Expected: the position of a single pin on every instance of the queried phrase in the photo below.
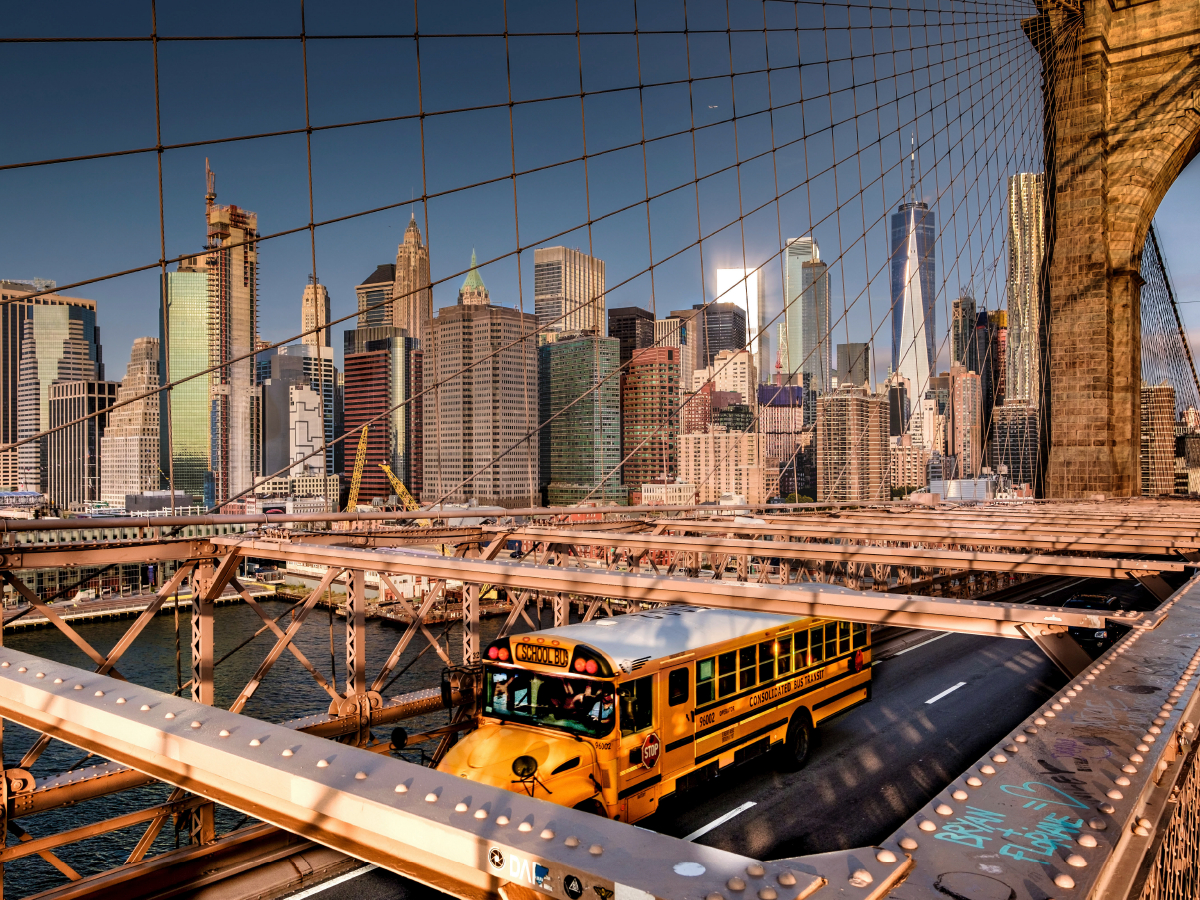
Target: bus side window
(783, 659)
(766, 662)
(830, 640)
(859, 635)
(801, 640)
(637, 705)
(727, 674)
(746, 668)
(843, 637)
(818, 643)
(706, 673)
(677, 686)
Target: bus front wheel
(592, 806)
(798, 740)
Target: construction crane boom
(360, 460)
(406, 499)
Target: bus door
(640, 760)
(678, 725)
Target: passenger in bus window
(500, 692)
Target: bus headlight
(524, 767)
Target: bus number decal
(706, 719)
(542, 656)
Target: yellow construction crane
(406, 499)
(360, 460)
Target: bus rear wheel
(794, 751)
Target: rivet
(98, 694)
(1148, 739)
(1122, 780)
(1020, 739)
(1029, 729)
(145, 707)
(926, 825)
(787, 879)
(481, 813)
(169, 716)
(5, 664)
(1154, 729)
(1064, 881)
(1115, 795)
(714, 896)
(767, 893)
(501, 820)
(755, 870)
(431, 797)
(974, 782)
(959, 795)
(460, 807)
(1129, 770)
(120, 700)
(1038, 721)
(78, 687)
(1076, 860)
(546, 835)
(861, 878)
(402, 789)
(595, 849)
(1142, 748)
(1142, 822)
(988, 770)
(1048, 714)
(1141, 831)
(223, 733)
(40, 675)
(908, 843)
(195, 724)
(571, 840)
(255, 742)
(1107, 808)
(944, 810)
(287, 751)
(58, 681)
(22, 669)
(1057, 707)
(1071, 694)
(1136, 757)
(525, 826)
(1167, 707)
(1086, 840)
(735, 884)
(1011, 748)
(886, 856)
(1159, 722)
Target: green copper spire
(473, 282)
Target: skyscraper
(1026, 247)
(744, 288)
(184, 423)
(375, 297)
(314, 313)
(412, 297)
(854, 364)
(477, 424)
(14, 310)
(633, 327)
(232, 262)
(579, 408)
(301, 364)
(473, 291)
(731, 371)
(853, 452)
(129, 449)
(679, 333)
(723, 327)
(568, 290)
(278, 371)
(721, 461)
(965, 433)
(649, 421)
(59, 342)
(73, 452)
(385, 372)
(962, 334)
(806, 316)
(1158, 439)
(913, 276)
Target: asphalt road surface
(937, 707)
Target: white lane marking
(922, 644)
(949, 690)
(721, 821)
(332, 882)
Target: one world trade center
(913, 322)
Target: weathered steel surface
(1041, 814)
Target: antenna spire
(210, 181)
(912, 170)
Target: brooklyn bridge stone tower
(1122, 119)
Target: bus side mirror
(524, 767)
(399, 738)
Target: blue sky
(841, 130)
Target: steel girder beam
(407, 818)
(957, 559)
(826, 601)
(1000, 522)
(941, 534)
(91, 553)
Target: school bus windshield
(579, 705)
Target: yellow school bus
(615, 714)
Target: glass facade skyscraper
(184, 416)
(913, 273)
(806, 315)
